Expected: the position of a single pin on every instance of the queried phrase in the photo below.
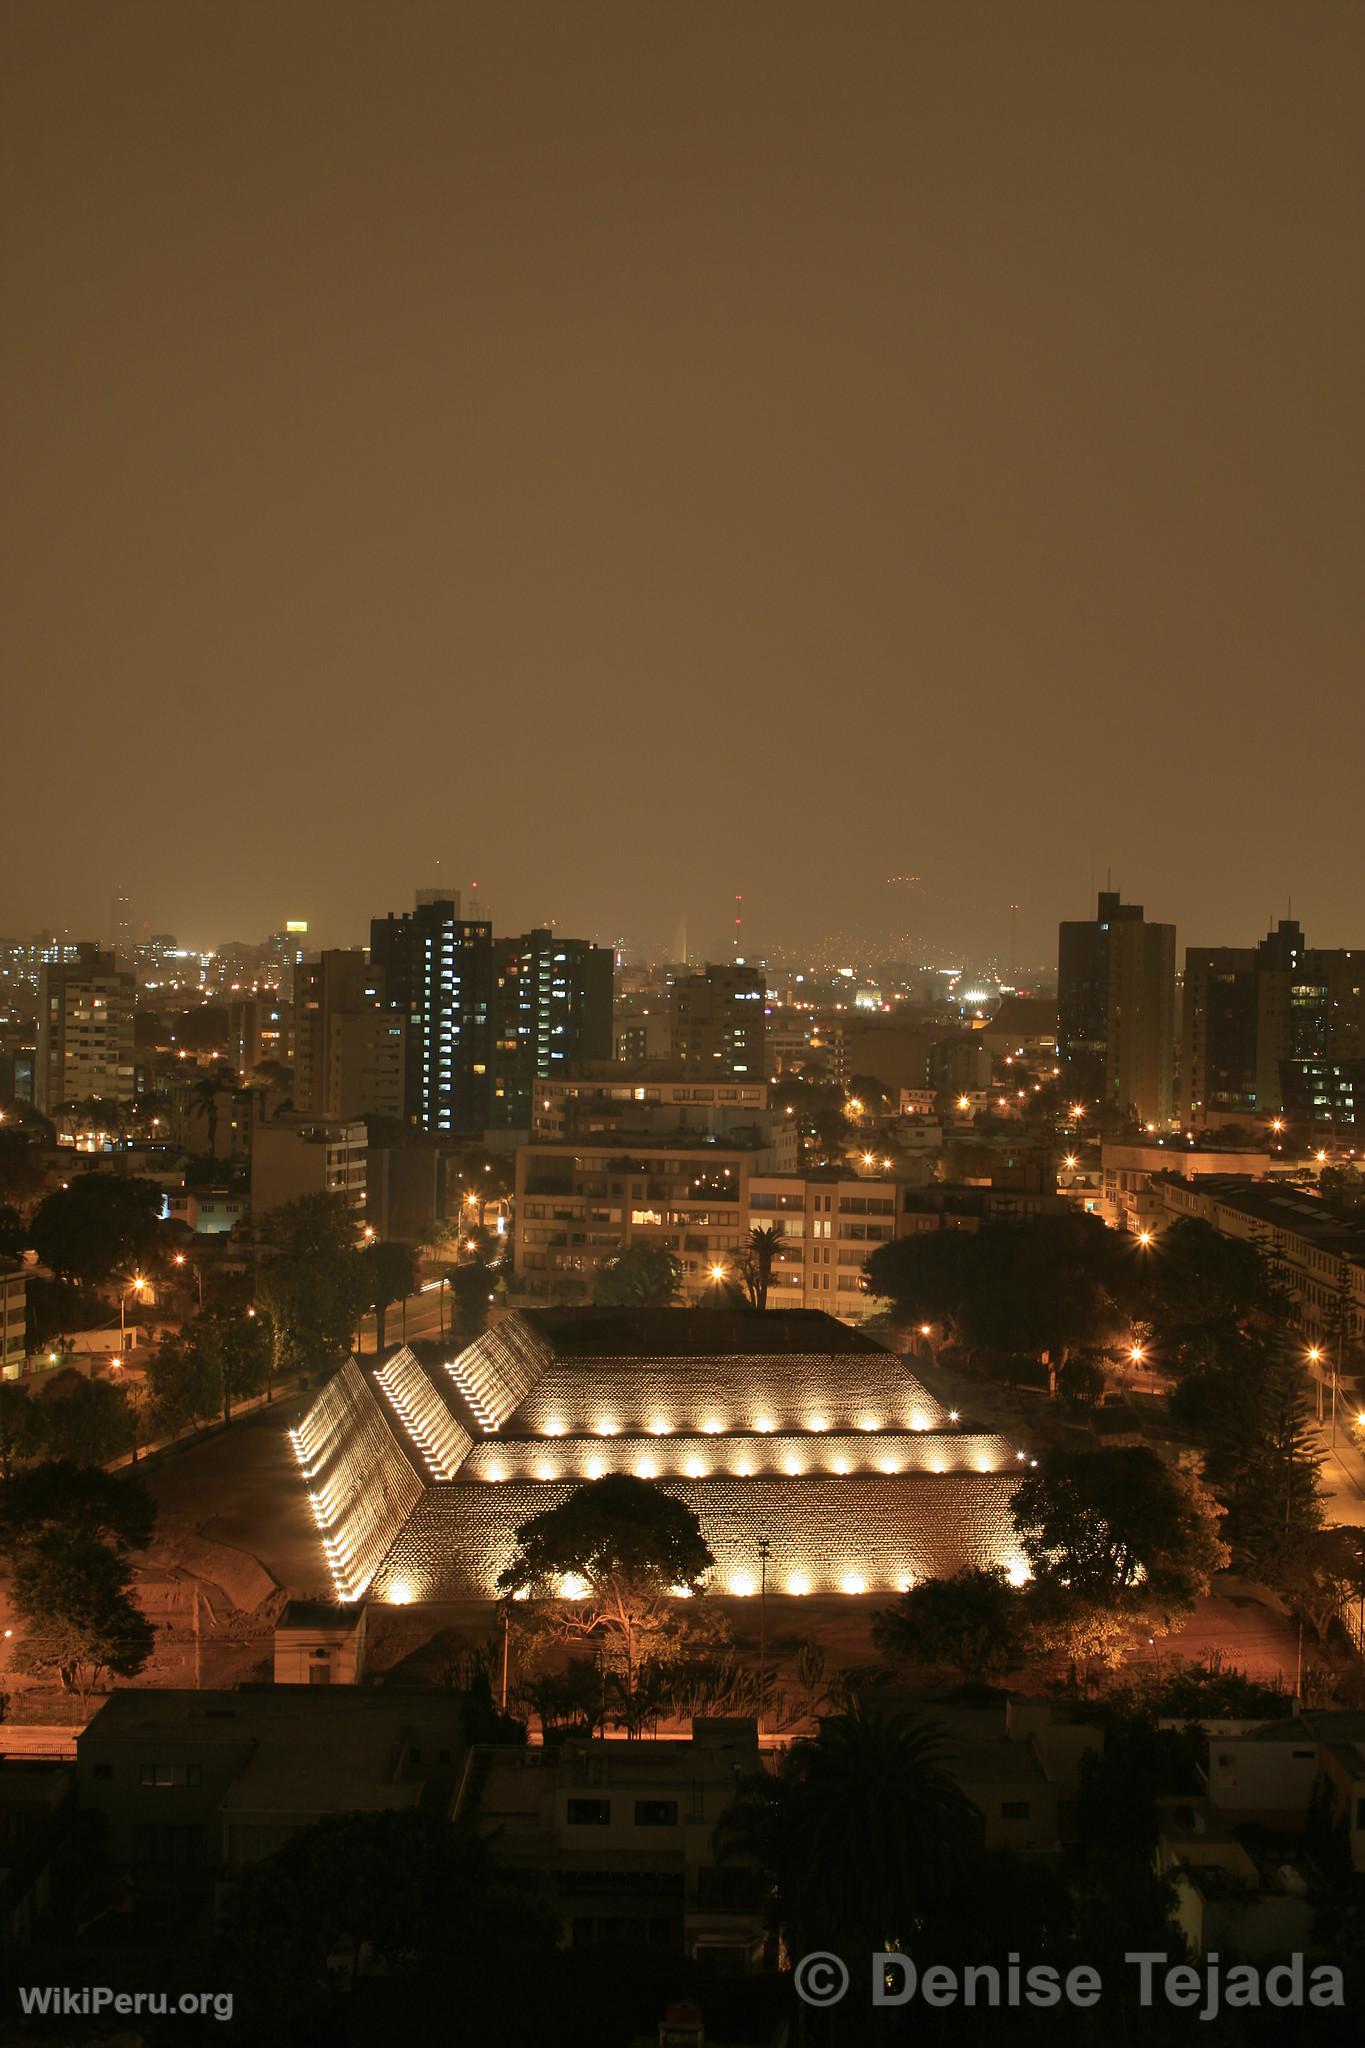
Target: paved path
(242, 1487)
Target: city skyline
(521, 421)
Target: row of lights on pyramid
(417, 1430)
(304, 1445)
(482, 1414)
(793, 1466)
(763, 1425)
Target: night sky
(633, 453)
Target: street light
(764, 1551)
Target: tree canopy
(614, 1555)
(642, 1276)
(974, 1621)
(1102, 1523)
(857, 1831)
(100, 1225)
(1053, 1284)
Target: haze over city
(682, 1023)
(928, 441)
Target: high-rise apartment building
(719, 1024)
(1273, 1029)
(350, 1052)
(85, 1030)
(260, 1028)
(438, 975)
(1116, 1010)
(553, 1013)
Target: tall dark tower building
(1277, 1028)
(552, 1014)
(1116, 1010)
(718, 1022)
(438, 970)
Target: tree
(22, 1434)
(856, 1832)
(13, 1232)
(612, 1556)
(1245, 1396)
(1102, 1523)
(360, 1925)
(1321, 1571)
(73, 1594)
(1080, 1381)
(927, 1278)
(87, 1421)
(185, 1385)
(470, 1292)
(76, 1500)
(758, 1264)
(390, 1275)
(642, 1276)
(235, 1345)
(317, 1228)
(974, 1621)
(1193, 1277)
(21, 1171)
(204, 1094)
(1051, 1285)
(99, 1225)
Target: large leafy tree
(1054, 1284)
(100, 1225)
(73, 1594)
(87, 1421)
(229, 1346)
(14, 1232)
(22, 1434)
(185, 1384)
(65, 1535)
(21, 1171)
(360, 1926)
(626, 1548)
(1102, 1523)
(390, 1274)
(1194, 1279)
(78, 1500)
(1244, 1394)
(975, 1621)
(857, 1832)
(642, 1276)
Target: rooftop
(692, 1332)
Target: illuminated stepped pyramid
(786, 1424)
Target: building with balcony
(85, 1031)
(581, 1202)
(13, 1318)
(616, 1838)
(1319, 1256)
(438, 975)
(552, 1016)
(826, 1229)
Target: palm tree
(204, 1097)
(857, 1832)
(758, 1264)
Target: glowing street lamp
(1144, 1237)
